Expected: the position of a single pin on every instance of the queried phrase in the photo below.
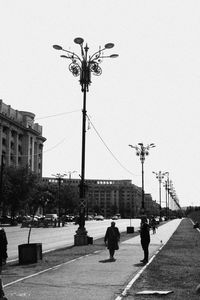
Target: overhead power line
(117, 160)
(59, 114)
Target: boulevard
(58, 237)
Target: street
(53, 238)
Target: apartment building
(21, 140)
(109, 197)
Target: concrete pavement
(91, 277)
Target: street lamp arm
(97, 53)
(134, 147)
(109, 56)
(73, 55)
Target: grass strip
(176, 267)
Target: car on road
(99, 218)
(51, 217)
(50, 220)
(69, 218)
(115, 217)
(8, 220)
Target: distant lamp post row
(83, 66)
(59, 178)
(174, 197)
(166, 186)
(160, 175)
(142, 151)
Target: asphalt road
(54, 238)
(91, 276)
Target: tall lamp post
(160, 175)
(70, 174)
(142, 151)
(166, 185)
(83, 66)
(59, 177)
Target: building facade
(21, 140)
(110, 197)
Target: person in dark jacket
(145, 238)
(111, 239)
(3, 257)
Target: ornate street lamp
(160, 176)
(83, 66)
(142, 151)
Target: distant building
(21, 140)
(110, 197)
(151, 207)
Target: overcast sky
(149, 94)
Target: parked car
(5, 220)
(89, 218)
(69, 218)
(99, 218)
(115, 217)
(51, 217)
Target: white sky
(149, 94)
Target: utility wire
(59, 114)
(110, 150)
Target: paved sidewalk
(91, 277)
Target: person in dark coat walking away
(153, 225)
(111, 239)
(145, 238)
(3, 257)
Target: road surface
(54, 238)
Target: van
(51, 217)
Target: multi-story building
(21, 140)
(109, 197)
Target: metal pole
(166, 196)
(160, 180)
(142, 161)
(59, 183)
(84, 66)
(82, 182)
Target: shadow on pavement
(139, 264)
(106, 260)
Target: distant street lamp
(160, 176)
(142, 151)
(70, 174)
(59, 179)
(83, 66)
(166, 185)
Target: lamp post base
(81, 238)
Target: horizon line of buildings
(21, 145)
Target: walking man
(145, 238)
(111, 240)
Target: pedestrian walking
(145, 238)
(111, 240)
(153, 225)
(3, 257)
